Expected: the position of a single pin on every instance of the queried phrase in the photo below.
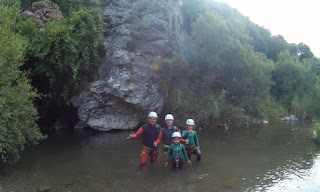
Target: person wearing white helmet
(176, 150)
(150, 132)
(193, 146)
(166, 134)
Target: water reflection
(273, 157)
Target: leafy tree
(10, 3)
(305, 103)
(287, 78)
(304, 52)
(261, 38)
(69, 6)
(64, 52)
(18, 115)
(226, 81)
(191, 10)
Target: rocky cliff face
(143, 34)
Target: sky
(296, 20)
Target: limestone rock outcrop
(142, 35)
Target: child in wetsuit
(176, 149)
(193, 146)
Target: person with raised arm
(150, 132)
(193, 146)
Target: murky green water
(274, 157)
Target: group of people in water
(172, 138)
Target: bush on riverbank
(219, 79)
(63, 51)
(57, 51)
(18, 115)
(316, 132)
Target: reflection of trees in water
(285, 150)
(254, 157)
(262, 154)
(1, 182)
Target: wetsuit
(166, 136)
(176, 152)
(193, 147)
(150, 134)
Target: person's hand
(198, 150)
(189, 162)
(190, 131)
(155, 143)
(130, 136)
(166, 164)
(186, 141)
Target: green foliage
(296, 85)
(261, 38)
(58, 53)
(69, 6)
(316, 132)
(219, 80)
(232, 70)
(304, 52)
(43, 12)
(18, 114)
(10, 3)
(65, 52)
(191, 10)
(305, 104)
(26, 4)
(287, 77)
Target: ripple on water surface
(274, 157)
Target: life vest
(150, 134)
(167, 134)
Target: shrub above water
(18, 115)
(316, 132)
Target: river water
(273, 157)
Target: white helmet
(169, 117)
(190, 122)
(153, 114)
(176, 134)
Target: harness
(177, 159)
